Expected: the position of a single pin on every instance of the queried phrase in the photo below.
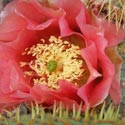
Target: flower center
(51, 66)
(54, 61)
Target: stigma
(51, 66)
(54, 60)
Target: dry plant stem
(112, 10)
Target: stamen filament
(54, 61)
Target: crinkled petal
(111, 33)
(64, 27)
(67, 93)
(115, 90)
(11, 78)
(90, 32)
(13, 88)
(72, 8)
(37, 15)
(5, 98)
(33, 38)
(23, 41)
(91, 61)
(25, 15)
(100, 27)
(8, 100)
(10, 26)
(97, 90)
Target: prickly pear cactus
(61, 116)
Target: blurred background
(3, 3)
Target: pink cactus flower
(57, 50)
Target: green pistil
(51, 66)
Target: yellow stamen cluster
(66, 55)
